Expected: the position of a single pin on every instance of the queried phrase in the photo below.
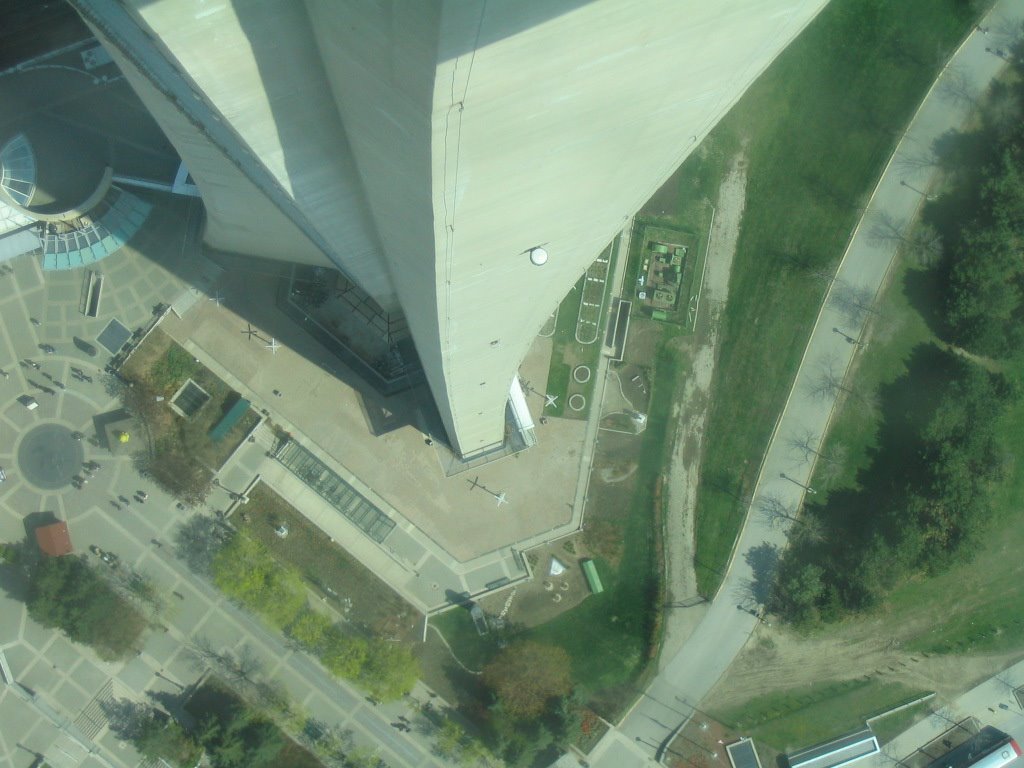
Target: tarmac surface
(686, 678)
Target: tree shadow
(764, 563)
(925, 290)
(854, 520)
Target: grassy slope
(793, 719)
(820, 125)
(609, 636)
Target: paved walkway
(51, 689)
(687, 678)
(992, 703)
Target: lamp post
(807, 488)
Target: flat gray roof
(743, 755)
(835, 753)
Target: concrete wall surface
(430, 144)
(540, 122)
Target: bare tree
(854, 301)
(944, 716)
(126, 718)
(833, 460)
(925, 245)
(804, 443)
(1006, 32)
(829, 382)
(888, 753)
(204, 655)
(810, 529)
(776, 511)
(915, 160)
(198, 540)
(243, 667)
(957, 87)
(886, 228)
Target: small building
(54, 539)
(742, 754)
(590, 573)
(232, 417)
(843, 751)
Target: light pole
(849, 339)
(807, 488)
(928, 198)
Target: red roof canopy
(54, 540)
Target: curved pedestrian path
(685, 679)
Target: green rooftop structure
(590, 574)
(232, 417)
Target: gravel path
(691, 415)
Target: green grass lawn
(163, 365)
(567, 352)
(351, 587)
(818, 126)
(791, 720)
(613, 636)
(973, 607)
(889, 727)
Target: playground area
(576, 329)
(667, 269)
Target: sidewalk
(686, 679)
(991, 702)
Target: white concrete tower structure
(425, 147)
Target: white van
(29, 402)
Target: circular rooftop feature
(49, 456)
(49, 172)
(18, 170)
(538, 256)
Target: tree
(776, 511)
(166, 739)
(343, 654)
(198, 540)
(245, 570)
(957, 87)
(243, 739)
(66, 593)
(176, 471)
(925, 246)
(911, 161)
(855, 302)
(887, 229)
(390, 670)
(828, 382)
(449, 739)
(151, 731)
(310, 630)
(526, 675)
(805, 443)
(797, 591)
(983, 294)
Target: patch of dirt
(777, 659)
(616, 473)
(684, 469)
(544, 597)
(701, 744)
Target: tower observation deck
(427, 148)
